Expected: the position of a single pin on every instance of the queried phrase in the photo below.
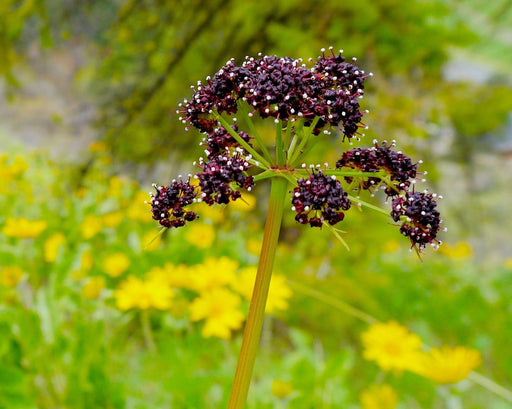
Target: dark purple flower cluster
(220, 140)
(284, 89)
(420, 219)
(169, 202)
(219, 172)
(318, 198)
(399, 166)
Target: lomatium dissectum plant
(305, 102)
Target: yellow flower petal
(200, 235)
(281, 389)
(52, 246)
(11, 276)
(90, 226)
(379, 397)
(92, 289)
(22, 228)
(392, 346)
(219, 307)
(116, 264)
(449, 365)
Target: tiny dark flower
(220, 172)
(420, 218)
(284, 89)
(319, 198)
(169, 202)
(399, 166)
(220, 140)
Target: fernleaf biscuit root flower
(304, 101)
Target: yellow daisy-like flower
(379, 397)
(52, 246)
(281, 389)
(11, 276)
(90, 226)
(449, 365)
(112, 219)
(86, 261)
(200, 235)
(392, 346)
(213, 273)
(278, 293)
(253, 246)
(174, 276)
(22, 228)
(116, 185)
(136, 293)
(219, 307)
(116, 264)
(92, 289)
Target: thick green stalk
(252, 331)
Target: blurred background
(88, 93)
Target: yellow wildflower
(18, 166)
(86, 261)
(116, 186)
(449, 365)
(200, 235)
(90, 226)
(214, 272)
(136, 293)
(116, 264)
(253, 246)
(281, 389)
(379, 397)
(52, 246)
(174, 276)
(112, 219)
(22, 228)
(278, 293)
(92, 289)
(392, 346)
(461, 250)
(11, 276)
(219, 307)
(508, 263)
(245, 204)
(137, 210)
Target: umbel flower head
(304, 101)
(319, 198)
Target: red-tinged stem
(252, 331)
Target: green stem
(252, 331)
(253, 131)
(288, 134)
(245, 145)
(279, 144)
(304, 141)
